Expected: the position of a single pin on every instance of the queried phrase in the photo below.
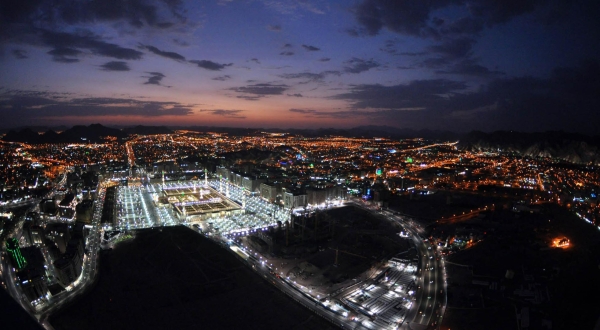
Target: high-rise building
(293, 199)
(84, 211)
(60, 234)
(69, 266)
(32, 280)
(12, 247)
(34, 234)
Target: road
(88, 274)
(427, 312)
(293, 290)
(430, 297)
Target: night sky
(529, 65)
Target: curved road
(430, 303)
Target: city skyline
(450, 65)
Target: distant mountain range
(360, 131)
(572, 147)
(96, 132)
(80, 133)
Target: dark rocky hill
(75, 134)
(571, 147)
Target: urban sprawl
(358, 230)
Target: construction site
(329, 249)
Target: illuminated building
(67, 206)
(59, 234)
(34, 234)
(294, 199)
(270, 191)
(194, 204)
(12, 247)
(252, 184)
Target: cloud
(35, 105)
(62, 42)
(303, 111)
(171, 55)
(154, 79)
(19, 54)
(164, 25)
(416, 94)
(454, 48)
(274, 28)
(287, 46)
(64, 51)
(309, 76)
(136, 13)
(255, 60)
(391, 47)
(60, 54)
(292, 7)
(324, 59)
(454, 56)
(249, 97)
(115, 66)
(234, 114)
(255, 91)
(333, 114)
(354, 32)
(405, 17)
(286, 53)
(494, 13)
(180, 42)
(567, 100)
(210, 65)
(470, 67)
(413, 17)
(357, 65)
(63, 59)
(222, 78)
(311, 48)
(464, 25)
(296, 95)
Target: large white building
(293, 200)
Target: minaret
(243, 201)
(163, 178)
(201, 194)
(195, 187)
(205, 179)
(227, 190)
(220, 184)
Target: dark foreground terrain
(173, 278)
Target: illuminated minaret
(195, 187)
(243, 201)
(205, 179)
(220, 184)
(201, 194)
(227, 190)
(163, 179)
